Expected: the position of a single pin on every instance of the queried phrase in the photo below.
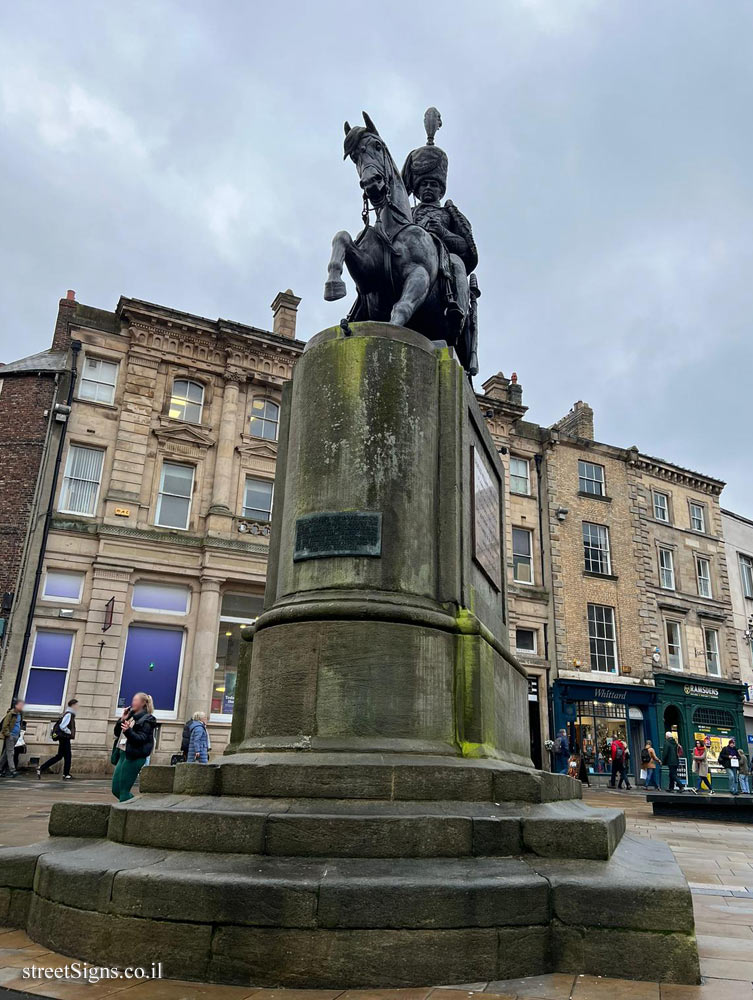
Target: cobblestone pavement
(717, 859)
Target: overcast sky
(189, 153)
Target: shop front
(696, 708)
(594, 715)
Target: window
(48, 673)
(98, 380)
(717, 717)
(522, 563)
(257, 499)
(746, 574)
(602, 638)
(163, 598)
(152, 662)
(63, 585)
(265, 417)
(238, 610)
(83, 472)
(711, 642)
(674, 645)
(525, 640)
(591, 478)
(596, 548)
(697, 517)
(666, 569)
(661, 507)
(187, 401)
(520, 477)
(703, 572)
(174, 501)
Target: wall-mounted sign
(699, 691)
(109, 608)
(338, 533)
(487, 547)
(122, 512)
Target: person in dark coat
(134, 732)
(64, 731)
(670, 757)
(729, 758)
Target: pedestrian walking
(561, 752)
(63, 732)
(701, 766)
(20, 746)
(744, 775)
(134, 742)
(670, 758)
(620, 755)
(651, 764)
(198, 739)
(10, 732)
(729, 758)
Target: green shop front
(700, 707)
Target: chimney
(579, 422)
(285, 307)
(61, 338)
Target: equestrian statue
(414, 266)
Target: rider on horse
(425, 176)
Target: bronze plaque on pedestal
(487, 550)
(338, 533)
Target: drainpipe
(549, 700)
(75, 348)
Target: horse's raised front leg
(415, 289)
(334, 287)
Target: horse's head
(377, 173)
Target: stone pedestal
(377, 822)
(399, 641)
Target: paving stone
(598, 988)
(554, 986)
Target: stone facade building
(738, 536)
(157, 548)
(620, 601)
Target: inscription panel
(338, 533)
(487, 548)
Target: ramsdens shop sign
(698, 691)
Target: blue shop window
(152, 663)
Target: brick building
(33, 394)
(157, 545)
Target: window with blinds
(81, 481)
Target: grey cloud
(189, 153)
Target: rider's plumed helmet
(428, 160)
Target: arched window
(265, 417)
(187, 401)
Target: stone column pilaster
(201, 672)
(223, 470)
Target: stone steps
(390, 777)
(350, 828)
(272, 921)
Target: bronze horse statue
(396, 263)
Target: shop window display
(597, 725)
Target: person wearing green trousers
(134, 736)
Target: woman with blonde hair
(198, 739)
(134, 742)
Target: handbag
(115, 755)
(177, 758)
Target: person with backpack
(63, 732)
(134, 743)
(729, 758)
(10, 732)
(620, 754)
(198, 740)
(670, 757)
(651, 765)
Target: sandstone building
(738, 537)
(620, 597)
(620, 601)
(156, 553)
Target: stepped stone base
(358, 876)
